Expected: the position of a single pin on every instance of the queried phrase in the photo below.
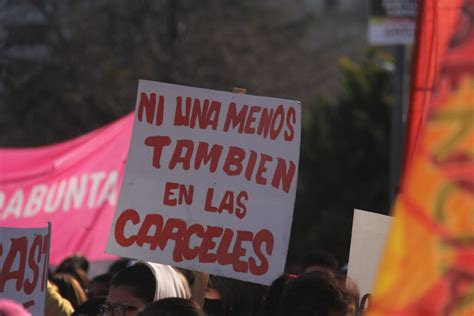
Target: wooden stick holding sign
(201, 279)
(198, 291)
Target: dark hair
(90, 307)
(140, 279)
(102, 278)
(69, 288)
(273, 297)
(172, 306)
(313, 294)
(118, 265)
(75, 261)
(238, 297)
(351, 288)
(322, 259)
(76, 266)
(105, 278)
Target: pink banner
(74, 185)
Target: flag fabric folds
(428, 264)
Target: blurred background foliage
(68, 67)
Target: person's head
(172, 306)
(90, 307)
(134, 287)
(75, 261)
(313, 294)
(320, 261)
(274, 294)
(69, 288)
(118, 265)
(130, 290)
(99, 285)
(225, 296)
(76, 266)
(352, 291)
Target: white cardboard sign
(24, 257)
(210, 181)
(369, 233)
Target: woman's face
(121, 301)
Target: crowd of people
(141, 288)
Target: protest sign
(210, 181)
(369, 231)
(24, 257)
(392, 22)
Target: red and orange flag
(428, 264)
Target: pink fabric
(74, 185)
(12, 308)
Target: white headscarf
(169, 282)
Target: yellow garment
(56, 305)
